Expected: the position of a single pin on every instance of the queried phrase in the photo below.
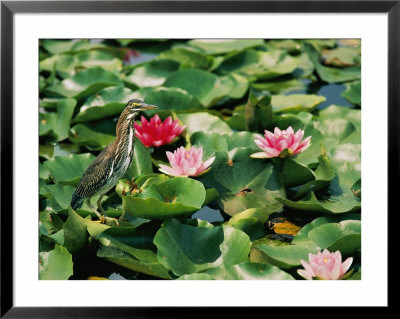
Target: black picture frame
(9, 8)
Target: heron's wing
(95, 176)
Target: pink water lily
(186, 162)
(157, 133)
(325, 265)
(273, 144)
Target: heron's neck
(125, 136)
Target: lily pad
(284, 257)
(260, 64)
(107, 102)
(141, 163)
(202, 121)
(248, 271)
(57, 124)
(152, 73)
(221, 46)
(188, 57)
(250, 221)
(335, 204)
(67, 64)
(175, 197)
(168, 99)
(344, 236)
(55, 46)
(186, 249)
(56, 264)
(352, 93)
(69, 169)
(95, 136)
(281, 86)
(206, 86)
(85, 83)
(296, 102)
(341, 56)
(331, 74)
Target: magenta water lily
(186, 162)
(274, 144)
(325, 265)
(157, 133)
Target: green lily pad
(121, 258)
(141, 163)
(291, 46)
(347, 161)
(202, 121)
(59, 197)
(258, 111)
(107, 102)
(262, 65)
(95, 136)
(281, 86)
(186, 249)
(67, 64)
(250, 221)
(188, 57)
(56, 264)
(217, 142)
(342, 56)
(152, 73)
(334, 204)
(324, 174)
(57, 124)
(178, 196)
(302, 235)
(340, 112)
(284, 257)
(126, 245)
(221, 46)
(69, 169)
(295, 174)
(331, 74)
(249, 271)
(344, 236)
(62, 46)
(352, 93)
(57, 149)
(75, 233)
(206, 86)
(196, 276)
(296, 102)
(244, 182)
(168, 99)
(85, 83)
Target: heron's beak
(148, 106)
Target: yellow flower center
(325, 260)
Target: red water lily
(157, 133)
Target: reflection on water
(332, 92)
(209, 214)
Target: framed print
(164, 155)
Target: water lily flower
(157, 133)
(187, 162)
(325, 265)
(275, 144)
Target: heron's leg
(99, 204)
(100, 216)
(103, 212)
